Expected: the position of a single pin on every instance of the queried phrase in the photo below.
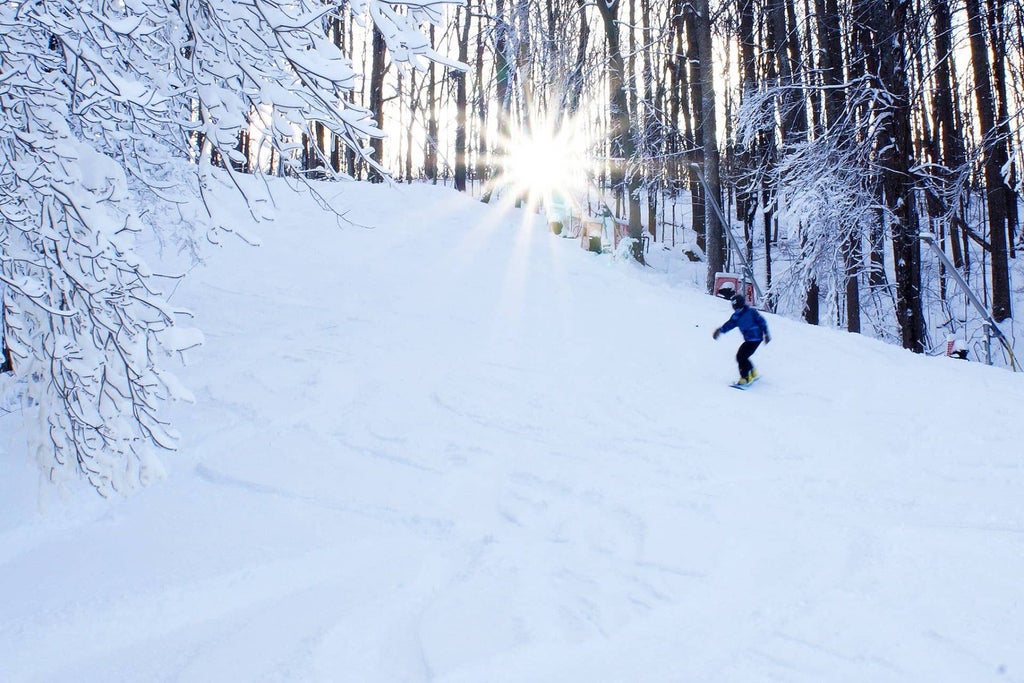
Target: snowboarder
(754, 329)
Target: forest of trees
(834, 133)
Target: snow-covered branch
(105, 108)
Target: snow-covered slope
(445, 445)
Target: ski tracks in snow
(488, 456)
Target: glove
(714, 335)
(767, 338)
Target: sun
(546, 160)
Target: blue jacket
(751, 323)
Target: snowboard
(744, 387)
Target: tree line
(835, 132)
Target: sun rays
(535, 167)
(546, 160)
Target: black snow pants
(743, 355)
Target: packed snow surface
(439, 443)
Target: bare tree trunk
(409, 138)
(7, 362)
(792, 111)
(502, 69)
(709, 147)
(430, 144)
(620, 136)
(695, 131)
(831, 68)
(460, 106)
(995, 158)
(337, 34)
(678, 99)
(480, 98)
(782, 35)
(948, 150)
(574, 85)
(649, 135)
(746, 196)
(997, 39)
(888, 20)
(377, 72)
(863, 63)
(244, 148)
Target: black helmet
(738, 302)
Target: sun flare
(546, 160)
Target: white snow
(449, 446)
(181, 338)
